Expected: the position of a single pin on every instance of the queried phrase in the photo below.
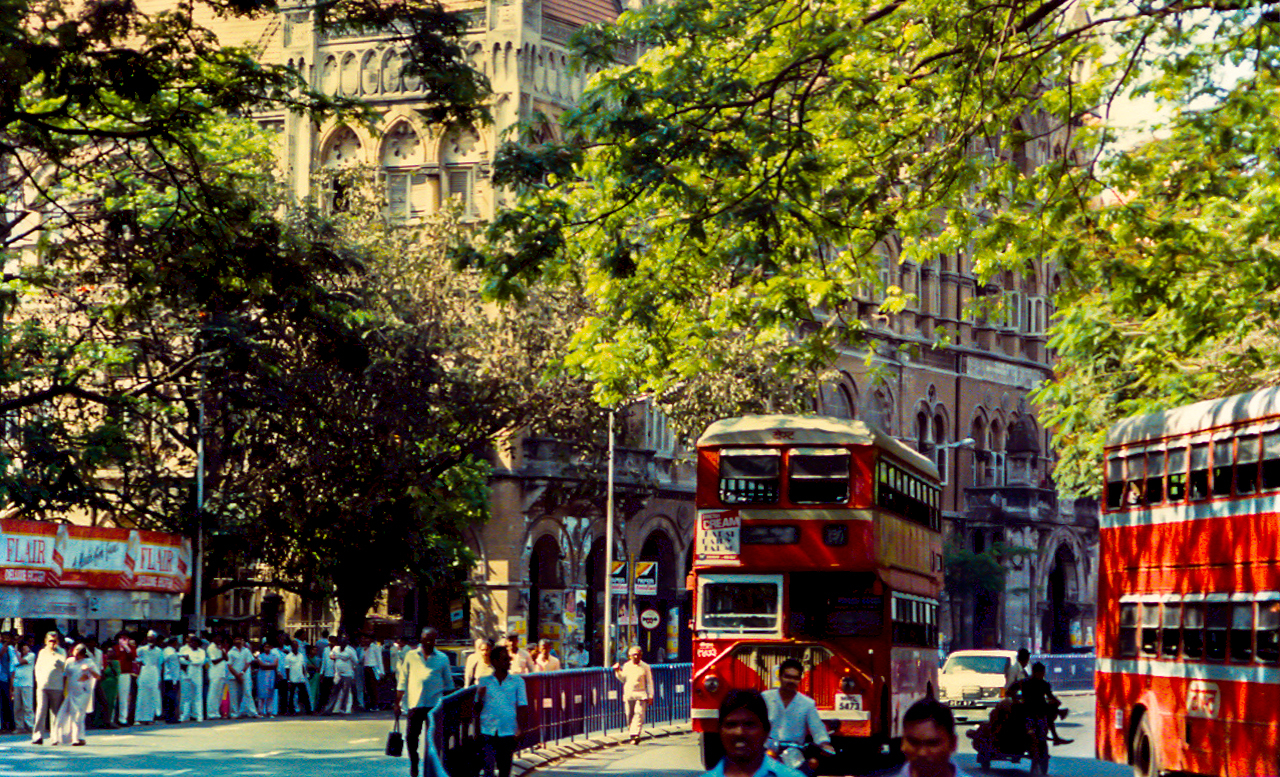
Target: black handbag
(395, 740)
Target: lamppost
(607, 656)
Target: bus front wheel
(712, 749)
(1146, 756)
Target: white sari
(77, 703)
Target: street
(281, 747)
(679, 756)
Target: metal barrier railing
(566, 705)
(1068, 671)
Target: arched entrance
(660, 643)
(1060, 609)
(546, 591)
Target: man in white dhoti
(50, 663)
(217, 652)
(192, 658)
(150, 657)
(81, 674)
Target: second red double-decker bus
(1188, 673)
(817, 539)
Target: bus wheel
(1146, 757)
(712, 749)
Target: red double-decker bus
(817, 539)
(1188, 675)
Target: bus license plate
(848, 703)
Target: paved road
(280, 747)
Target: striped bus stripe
(1177, 670)
(1268, 503)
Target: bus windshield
(745, 606)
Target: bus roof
(818, 430)
(1201, 416)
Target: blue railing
(568, 705)
(1068, 671)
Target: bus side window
(1198, 480)
(818, 476)
(1154, 490)
(1269, 632)
(1177, 474)
(1247, 465)
(1129, 629)
(1115, 482)
(1134, 478)
(1217, 617)
(1271, 460)
(1172, 623)
(1242, 631)
(1193, 631)
(1150, 628)
(1222, 468)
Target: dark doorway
(594, 625)
(545, 583)
(1057, 624)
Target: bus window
(1150, 628)
(1172, 623)
(749, 476)
(1154, 490)
(1222, 468)
(1115, 482)
(744, 607)
(1242, 631)
(1217, 617)
(1134, 478)
(1269, 632)
(1271, 460)
(1177, 474)
(1193, 631)
(818, 476)
(1247, 465)
(1129, 629)
(1198, 480)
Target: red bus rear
(817, 539)
(1189, 590)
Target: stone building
(939, 374)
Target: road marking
(362, 741)
(266, 755)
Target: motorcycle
(1011, 735)
(798, 755)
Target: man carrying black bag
(425, 678)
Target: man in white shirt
(374, 670)
(344, 660)
(192, 658)
(171, 673)
(323, 647)
(521, 661)
(543, 660)
(50, 664)
(240, 681)
(638, 690)
(425, 677)
(1016, 671)
(24, 685)
(929, 740)
(217, 652)
(793, 716)
(150, 658)
(478, 664)
(297, 700)
(501, 702)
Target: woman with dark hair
(744, 727)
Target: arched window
(981, 455)
(461, 154)
(836, 401)
(341, 150)
(411, 192)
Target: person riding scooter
(1042, 708)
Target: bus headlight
(847, 685)
(711, 684)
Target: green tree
(741, 184)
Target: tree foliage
(738, 187)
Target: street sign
(650, 619)
(646, 578)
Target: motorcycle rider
(793, 716)
(1041, 705)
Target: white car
(974, 678)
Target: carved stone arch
(404, 141)
(350, 74)
(392, 67)
(342, 145)
(370, 73)
(1062, 580)
(412, 81)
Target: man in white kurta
(150, 658)
(216, 650)
(240, 681)
(50, 663)
(193, 658)
(638, 689)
